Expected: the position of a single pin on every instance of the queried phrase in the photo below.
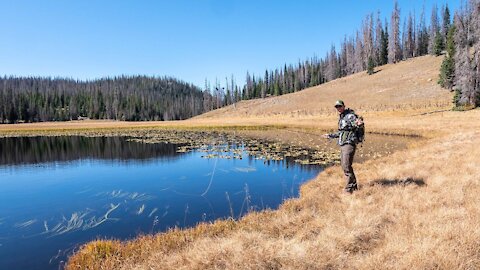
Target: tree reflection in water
(31, 150)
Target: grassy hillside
(416, 209)
(408, 85)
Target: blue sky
(190, 40)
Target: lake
(60, 192)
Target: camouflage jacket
(346, 128)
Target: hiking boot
(350, 189)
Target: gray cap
(339, 103)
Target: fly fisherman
(347, 135)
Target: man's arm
(331, 135)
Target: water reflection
(31, 150)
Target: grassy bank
(417, 208)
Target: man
(348, 123)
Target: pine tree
(410, 39)
(332, 68)
(350, 56)
(447, 70)
(371, 66)
(456, 99)
(434, 30)
(445, 23)
(248, 87)
(422, 36)
(404, 41)
(464, 75)
(394, 47)
(343, 58)
(476, 46)
(438, 46)
(359, 54)
(384, 48)
(368, 39)
(378, 40)
(265, 85)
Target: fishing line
(206, 190)
(211, 179)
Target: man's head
(340, 106)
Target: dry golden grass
(416, 209)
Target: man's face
(340, 109)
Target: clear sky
(190, 40)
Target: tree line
(460, 70)
(377, 42)
(129, 98)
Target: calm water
(59, 192)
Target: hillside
(410, 84)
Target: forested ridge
(129, 98)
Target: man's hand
(326, 136)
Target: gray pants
(347, 152)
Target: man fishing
(348, 138)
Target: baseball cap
(339, 103)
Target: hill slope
(409, 84)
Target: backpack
(360, 130)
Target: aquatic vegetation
(25, 224)
(45, 225)
(166, 211)
(119, 194)
(152, 212)
(228, 145)
(141, 197)
(80, 221)
(87, 219)
(84, 191)
(141, 209)
(75, 222)
(93, 222)
(245, 169)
